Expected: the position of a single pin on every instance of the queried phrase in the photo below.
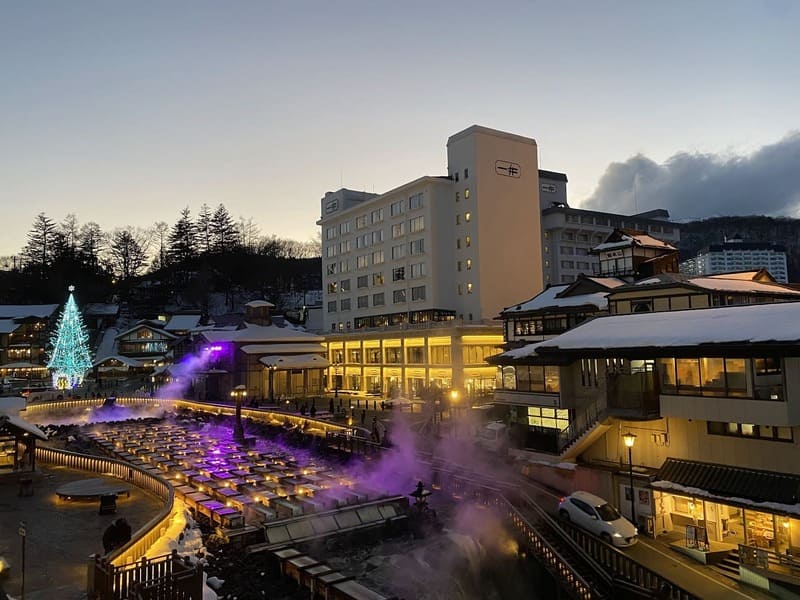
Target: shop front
(748, 508)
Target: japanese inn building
(704, 371)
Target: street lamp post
(630, 440)
(272, 369)
(237, 393)
(453, 401)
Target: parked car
(597, 516)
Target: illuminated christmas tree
(70, 354)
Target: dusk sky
(124, 113)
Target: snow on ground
(183, 535)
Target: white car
(597, 516)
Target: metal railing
(581, 423)
(145, 536)
(769, 560)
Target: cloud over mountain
(692, 186)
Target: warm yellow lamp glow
(630, 439)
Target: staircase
(585, 428)
(729, 566)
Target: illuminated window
(377, 257)
(467, 216)
(469, 288)
(469, 264)
(467, 241)
(466, 193)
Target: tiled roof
(732, 482)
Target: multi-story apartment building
(569, 234)
(412, 271)
(737, 255)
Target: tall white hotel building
(413, 278)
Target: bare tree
(92, 241)
(69, 229)
(127, 253)
(248, 234)
(160, 230)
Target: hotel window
(345, 304)
(703, 376)
(458, 243)
(416, 224)
(333, 287)
(456, 175)
(331, 251)
(469, 264)
(394, 356)
(398, 296)
(396, 208)
(439, 355)
(362, 261)
(398, 251)
(458, 266)
(332, 306)
(415, 201)
(354, 355)
(344, 246)
(362, 302)
(345, 285)
(416, 247)
(377, 236)
(583, 237)
(397, 230)
(418, 293)
(469, 288)
(467, 241)
(330, 233)
(467, 216)
(346, 227)
(415, 355)
(361, 222)
(377, 257)
(466, 193)
(417, 270)
(332, 268)
(344, 266)
(458, 219)
(398, 274)
(460, 289)
(377, 279)
(551, 418)
(362, 281)
(378, 299)
(376, 216)
(466, 173)
(458, 196)
(567, 264)
(568, 235)
(767, 366)
(373, 356)
(749, 430)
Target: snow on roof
(260, 304)
(756, 323)
(22, 424)
(22, 365)
(99, 309)
(282, 348)
(128, 362)
(108, 344)
(741, 285)
(8, 326)
(548, 299)
(517, 353)
(147, 325)
(261, 333)
(182, 322)
(639, 239)
(793, 509)
(20, 311)
(299, 361)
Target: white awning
(300, 361)
(283, 348)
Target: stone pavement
(60, 534)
